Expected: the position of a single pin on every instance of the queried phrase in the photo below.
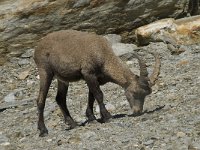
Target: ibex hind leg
(61, 101)
(45, 81)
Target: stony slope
(172, 121)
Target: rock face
(23, 22)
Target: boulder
(173, 32)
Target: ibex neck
(120, 73)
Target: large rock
(23, 22)
(173, 32)
(181, 31)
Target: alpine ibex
(71, 55)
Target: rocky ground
(171, 121)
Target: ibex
(71, 55)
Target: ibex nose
(137, 110)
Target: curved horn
(156, 71)
(143, 67)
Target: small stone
(15, 53)
(23, 62)
(122, 49)
(10, 97)
(18, 134)
(5, 144)
(89, 134)
(30, 82)
(108, 106)
(59, 142)
(129, 62)
(38, 77)
(180, 134)
(182, 63)
(4, 141)
(74, 139)
(23, 75)
(149, 142)
(22, 139)
(3, 60)
(49, 140)
(124, 103)
(113, 38)
(194, 147)
(81, 3)
(27, 54)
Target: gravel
(171, 120)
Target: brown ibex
(72, 55)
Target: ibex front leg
(61, 101)
(89, 110)
(94, 87)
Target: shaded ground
(172, 121)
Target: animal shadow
(117, 116)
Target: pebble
(149, 142)
(129, 62)
(5, 144)
(110, 107)
(81, 3)
(23, 75)
(4, 141)
(75, 139)
(113, 38)
(180, 134)
(49, 140)
(10, 97)
(22, 139)
(28, 53)
(194, 146)
(59, 142)
(24, 62)
(88, 134)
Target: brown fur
(71, 55)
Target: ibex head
(140, 88)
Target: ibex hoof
(43, 133)
(72, 126)
(107, 118)
(94, 121)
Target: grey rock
(23, 23)
(149, 142)
(4, 141)
(110, 107)
(88, 135)
(113, 38)
(10, 97)
(194, 146)
(28, 53)
(23, 62)
(122, 49)
(81, 3)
